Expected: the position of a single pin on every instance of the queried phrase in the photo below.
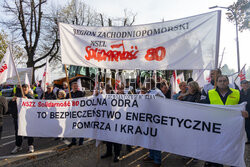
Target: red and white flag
(242, 74)
(175, 81)
(46, 77)
(201, 76)
(118, 81)
(241, 77)
(180, 78)
(7, 67)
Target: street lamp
(236, 25)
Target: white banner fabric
(22, 72)
(206, 132)
(7, 67)
(187, 43)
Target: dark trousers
(117, 148)
(1, 129)
(247, 128)
(19, 139)
(211, 164)
(80, 141)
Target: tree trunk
(30, 63)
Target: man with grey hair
(49, 95)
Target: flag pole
(19, 81)
(44, 85)
(240, 72)
(65, 68)
(67, 79)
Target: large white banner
(206, 132)
(187, 43)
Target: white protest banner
(187, 43)
(206, 132)
(22, 74)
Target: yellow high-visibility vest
(1, 93)
(14, 90)
(232, 99)
(35, 94)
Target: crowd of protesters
(218, 92)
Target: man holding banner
(75, 93)
(14, 113)
(223, 95)
(154, 155)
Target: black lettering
(39, 114)
(127, 102)
(130, 129)
(74, 125)
(62, 114)
(87, 124)
(180, 121)
(123, 128)
(149, 117)
(157, 119)
(171, 122)
(102, 124)
(185, 123)
(99, 34)
(113, 102)
(205, 126)
(128, 116)
(164, 120)
(138, 130)
(135, 103)
(108, 127)
(82, 104)
(155, 132)
(197, 123)
(216, 128)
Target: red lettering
(111, 55)
(3, 68)
(153, 54)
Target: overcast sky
(150, 11)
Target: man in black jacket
(246, 97)
(49, 95)
(3, 110)
(14, 113)
(75, 93)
